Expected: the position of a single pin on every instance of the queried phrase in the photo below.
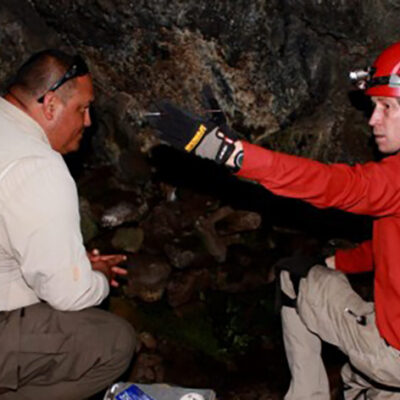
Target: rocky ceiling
(279, 68)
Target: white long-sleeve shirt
(42, 257)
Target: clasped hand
(108, 265)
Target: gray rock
(121, 213)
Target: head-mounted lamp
(363, 79)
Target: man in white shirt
(54, 345)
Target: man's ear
(50, 103)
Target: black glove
(192, 133)
(215, 112)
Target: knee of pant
(112, 338)
(327, 278)
(125, 337)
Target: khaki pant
(322, 300)
(49, 354)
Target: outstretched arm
(370, 189)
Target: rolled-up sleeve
(43, 223)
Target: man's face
(72, 117)
(385, 121)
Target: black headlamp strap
(378, 81)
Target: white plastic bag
(157, 391)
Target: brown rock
(148, 340)
(148, 278)
(184, 286)
(179, 257)
(238, 221)
(148, 368)
(216, 245)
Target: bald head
(39, 72)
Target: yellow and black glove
(192, 133)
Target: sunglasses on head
(77, 68)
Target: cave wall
(278, 68)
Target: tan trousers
(322, 300)
(49, 354)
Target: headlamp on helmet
(361, 77)
(383, 78)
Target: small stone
(128, 239)
(148, 368)
(178, 257)
(148, 278)
(148, 340)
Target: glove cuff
(225, 150)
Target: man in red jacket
(323, 305)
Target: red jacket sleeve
(359, 259)
(372, 188)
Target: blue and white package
(132, 392)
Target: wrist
(236, 158)
(102, 267)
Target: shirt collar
(29, 125)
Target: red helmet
(384, 76)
